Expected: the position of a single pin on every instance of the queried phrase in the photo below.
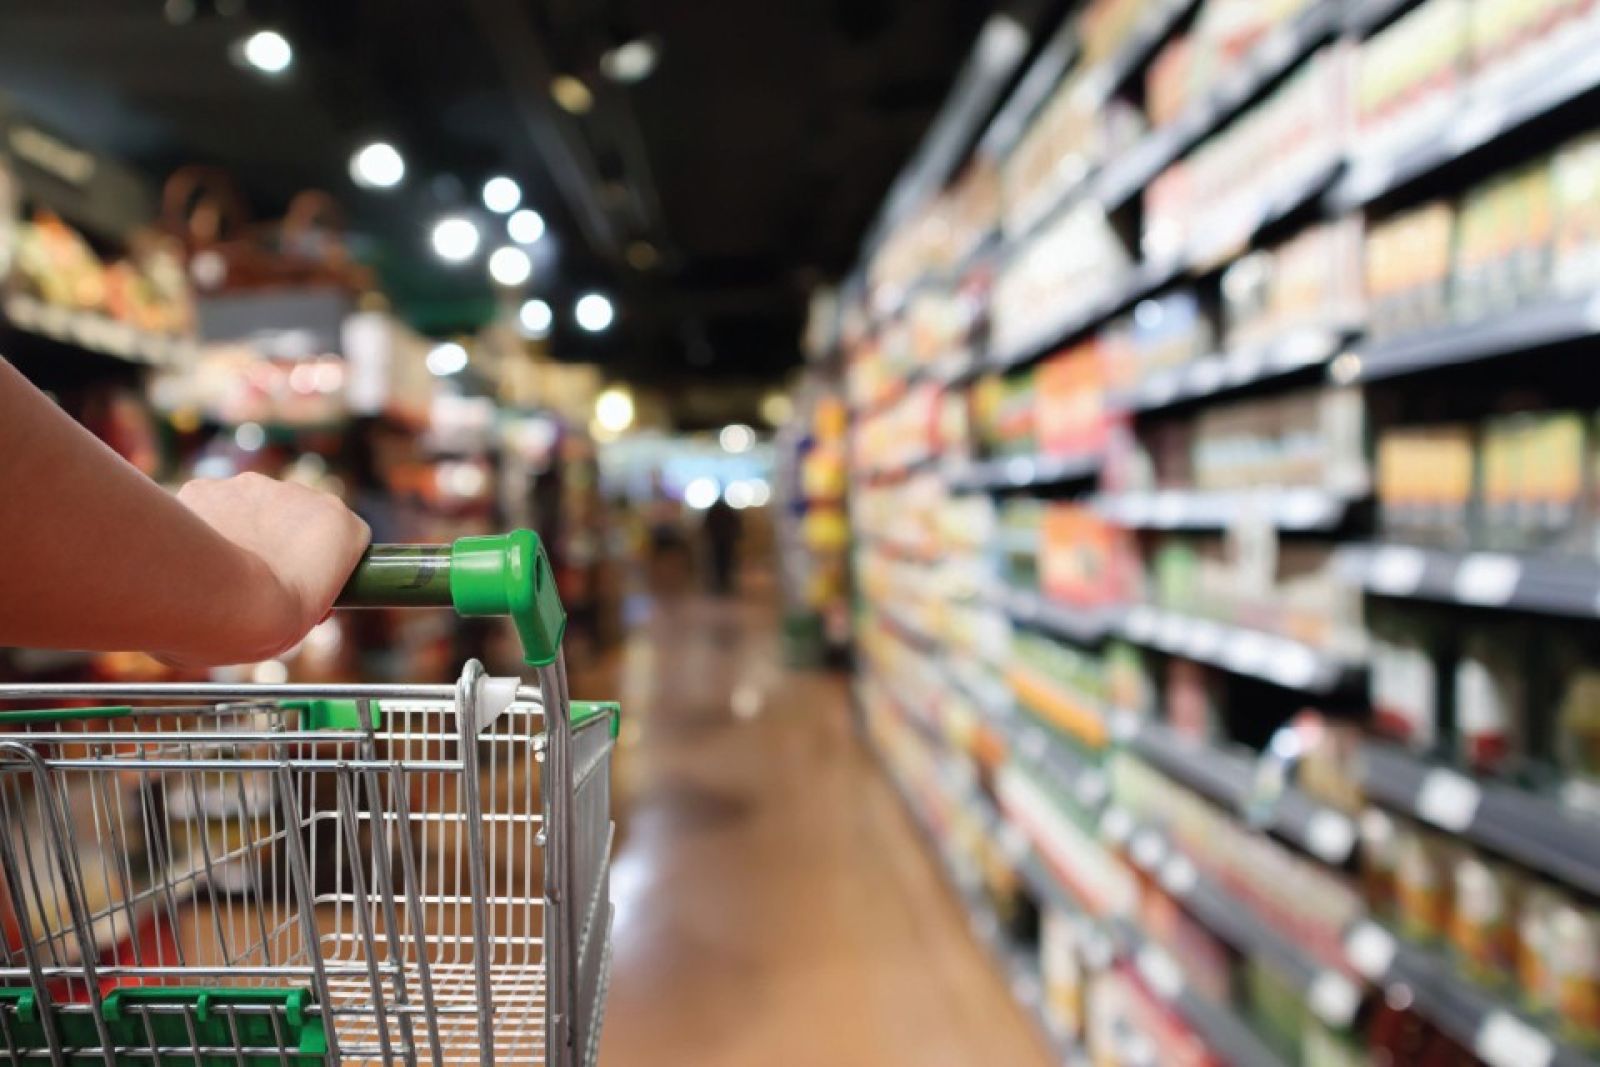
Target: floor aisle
(775, 906)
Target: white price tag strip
(1116, 825)
(1330, 836)
(1370, 949)
(1448, 800)
(1292, 665)
(1160, 972)
(1503, 1040)
(1396, 570)
(1487, 579)
(1178, 876)
(1147, 850)
(1334, 998)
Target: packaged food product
(1191, 699)
(1424, 862)
(1491, 706)
(1575, 966)
(1062, 973)
(1483, 921)
(1069, 402)
(1535, 968)
(1409, 73)
(1576, 181)
(1380, 861)
(1425, 484)
(1576, 734)
(1408, 257)
(1403, 676)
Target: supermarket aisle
(774, 904)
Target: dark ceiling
(752, 160)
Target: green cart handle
(502, 574)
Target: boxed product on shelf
(1426, 484)
(1575, 263)
(1004, 413)
(1408, 269)
(1062, 685)
(1311, 438)
(1409, 74)
(1311, 281)
(1504, 229)
(1206, 206)
(1070, 410)
(1512, 40)
(1129, 684)
(1225, 35)
(1535, 472)
(1072, 262)
(1084, 560)
(1163, 333)
(1068, 137)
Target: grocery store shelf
(1057, 761)
(1160, 20)
(1280, 51)
(905, 627)
(1080, 625)
(1223, 1032)
(1228, 779)
(1252, 653)
(1533, 830)
(87, 332)
(1543, 585)
(1498, 1035)
(1023, 472)
(1479, 117)
(1328, 992)
(1542, 325)
(1138, 281)
(1240, 368)
(1297, 509)
(1363, 16)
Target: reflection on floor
(774, 905)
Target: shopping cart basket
(263, 875)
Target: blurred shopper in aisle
(720, 531)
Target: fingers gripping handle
(503, 574)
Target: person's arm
(95, 556)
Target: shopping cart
(259, 875)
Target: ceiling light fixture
(736, 437)
(446, 359)
(632, 61)
(501, 195)
(571, 94)
(268, 51)
(594, 312)
(378, 165)
(455, 239)
(701, 493)
(536, 318)
(525, 226)
(613, 410)
(510, 266)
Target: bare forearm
(96, 556)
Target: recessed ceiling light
(525, 226)
(736, 437)
(455, 239)
(509, 265)
(378, 165)
(594, 312)
(535, 318)
(501, 195)
(632, 61)
(573, 96)
(613, 409)
(268, 51)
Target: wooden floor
(774, 904)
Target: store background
(1173, 413)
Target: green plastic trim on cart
(303, 1038)
(586, 711)
(333, 714)
(26, 715)
(509, 574)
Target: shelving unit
(1280, 657)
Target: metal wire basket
(258, 875)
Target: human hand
(297, 548)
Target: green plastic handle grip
(502, 574)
